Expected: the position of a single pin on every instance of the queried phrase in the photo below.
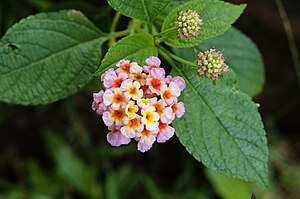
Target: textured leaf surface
(217, 17)
(47, 57)
(136, 48)
(240, 53)
(144, 10)
(222, 127)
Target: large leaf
(222, 127)
(47, 57)
(136, 48)
(217, 17)
(241, 54)
(144, 10)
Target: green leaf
(136, 48)
(240, 53)
(243, 57)
(144, 10)
(222, 127)
(72, 169)
(229, 188)
(217, 17)
(47, 57)
(38, 179)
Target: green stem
(290, 37)
(115, 22)
(115, 35)
(150, 28)
(113, 28)
(175, 57)
(166, 31)
(166, 57)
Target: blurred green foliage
(38, 161)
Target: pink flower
(170, 93)
(136, 74)
(113, 117)
(180, 82)
(150, 118)
(146, 138)
(111, 79)
(114, 98)
(132, 89)
(139, 105)
(156, 80)
(132, 126)
(164, 112)
(98, 104)
(165, 132)
(152, 62)
(124, 66)
(115, 137)
(178, 109)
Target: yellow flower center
(145, 132)
(117, 115)
(117, 82)
(118, 98)
(133, 91)
(139, 77)
(159, 108)
(130, 110)
(133, 123)
(143, 102)
(149, 117)
(167, 94)
(155, 83)
(126, 68)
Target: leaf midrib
(210, 109)
(146, 11)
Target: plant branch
(290, 37)
(113, 28)
(166, 57)
(114, 35)
(175, 57)
(166, 31)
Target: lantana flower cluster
(212, 64)
(139, 103)
(189, 24)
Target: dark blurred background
(60, 150)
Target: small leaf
(136, 48)
(217, 17)
(72, 169)
(222, 127)
(240, 53)
(144, 10)
(47, 57)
